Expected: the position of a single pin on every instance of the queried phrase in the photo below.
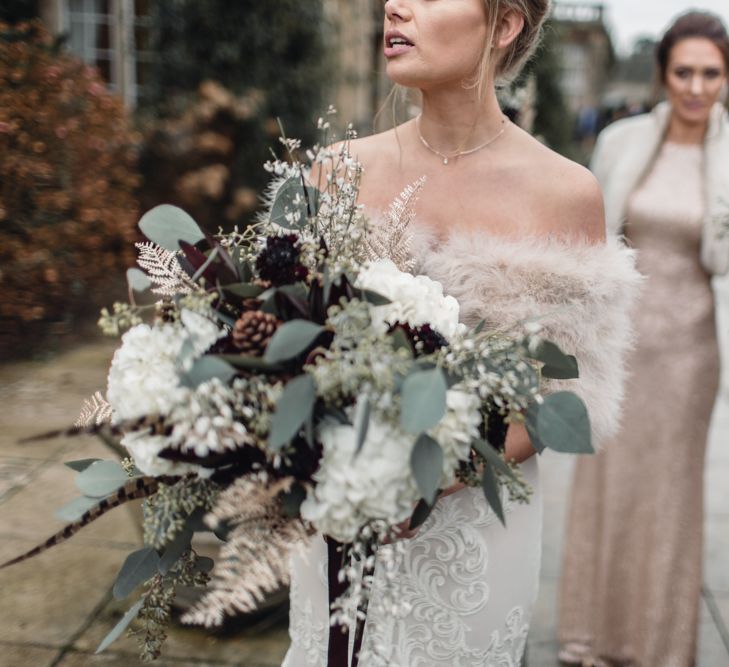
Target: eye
(682, 72)
(712, 73)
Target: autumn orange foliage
(67, 184)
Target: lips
(396, 43)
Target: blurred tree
(553, 121)
(67, 181)
(223, 74)
(13, 11)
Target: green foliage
(223, 74)
(167, 225)
(557, 364)
(291, 340)
(426, 462)
(139, 566)
(423, 400)
(166, 513)
(14, 11)
(553, 120)
(101, 478)
(561, 423)
(292, 410)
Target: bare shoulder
(566, 195)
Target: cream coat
(624, 153)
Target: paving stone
(30, 513)
(542, 654)
(711, 650)
(75, 659)
(267, 647)
(47, 599)
(544, 622)
(20, 655)
(722, 602)
(716, 572)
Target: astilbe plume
(255, 559)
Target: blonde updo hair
(517, 54)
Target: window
(114, 36)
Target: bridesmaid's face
(695, 78)
(432, 43)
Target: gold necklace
(452, 156)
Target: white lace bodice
(469, 585)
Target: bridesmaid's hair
(693, 24)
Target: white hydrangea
(416, 300)
(351, 491)
(145, 373)
(145, 380)
(378, 483)
(457, 430)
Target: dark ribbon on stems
(338, 655)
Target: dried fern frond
(255, 560)
(95, 410)
(163, 269)
(392, 238)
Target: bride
(513, 231)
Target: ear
(509, 28)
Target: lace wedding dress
(469, 583)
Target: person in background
(631, 578)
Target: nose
(697, 84)
(397, 10)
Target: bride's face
(431, 43)
(695, 77)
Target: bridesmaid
(631, 578)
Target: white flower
(144, 378)
(457, 430)
(353, 490)
(416, 300)
(145, 449)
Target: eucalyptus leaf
(557, 364)
(426, 462)
(138, 280)
(101, 478)
(563, 424)
(196, 521)
(249, 363)
(75, 509)
(167, 225)
(119, 628)
(400, 340)
(480, 327)
(174, 550)
(81, 464)
(292, 339)
(139, 567)
(244, 290)
(205, 369)
(532, 415)
(375, 298)
(362, 421)
(292, 409)
(284, 203)
(492, 491)
(423, 398)
(493, 458)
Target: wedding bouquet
(296, 378)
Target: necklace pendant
(445, 160)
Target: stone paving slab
(267, 647)
(58, 605)
(20, 655)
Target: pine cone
(253, 331)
